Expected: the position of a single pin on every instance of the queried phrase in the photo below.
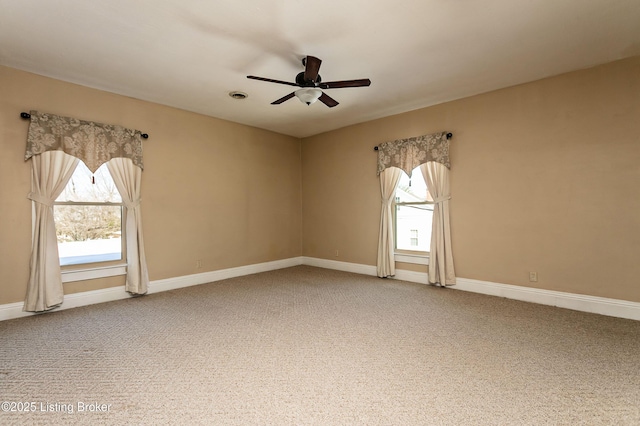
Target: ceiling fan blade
(253, 77)
(284, 98)
(345, 83)
(311, 68)
(327, 100)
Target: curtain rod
(26, 116)
(449, 136)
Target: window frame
(99, 269)
(419, 257)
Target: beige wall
(221, 192)
(545, 177)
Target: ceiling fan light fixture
(308, 95)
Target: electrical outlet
(337, 253)
(198, 263)
(533, 277)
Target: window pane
(82, 188)
(88, 234)
(411, 190)
(413, 221)
(413, 227)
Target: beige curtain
(55, 144)
(441, 269)
(389, 179)
(51, 171)
(127, 178)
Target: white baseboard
(14, 310)
(223, 274)
(578, 302)
(356, 268)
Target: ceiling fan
(310, 84)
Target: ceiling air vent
(238, 95)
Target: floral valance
(407, 154)
(93, 143)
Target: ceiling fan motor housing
(300, 81)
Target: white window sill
(93, 273)
(418, 259)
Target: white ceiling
(190, 54)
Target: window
(413, 214)
(414, 237)
(88, 217)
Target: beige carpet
(309, 346)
